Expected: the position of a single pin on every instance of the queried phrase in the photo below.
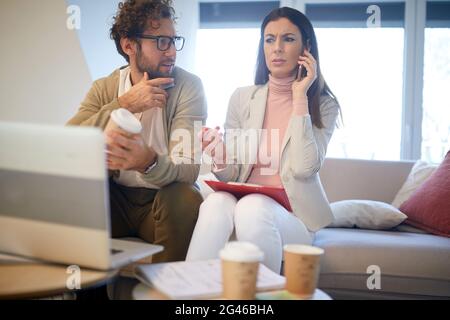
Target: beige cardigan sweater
(185, 107)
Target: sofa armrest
(345, 179)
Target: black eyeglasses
(164, 42)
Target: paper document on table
(198, 279)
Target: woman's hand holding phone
(213, 146)
(304, 82)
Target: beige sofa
(413, 264)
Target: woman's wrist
(219, 164)
(300, 105)
(299, 97)
(219, 167)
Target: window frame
(415, 22)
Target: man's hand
(128, 152)
(145, 95)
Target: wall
(100, 51)
(47, 69)
(188, 22)
(44, 74)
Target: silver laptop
(54, 198)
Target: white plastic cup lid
(241, 252)
(303, 249)
(127, 121)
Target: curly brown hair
(133, 16)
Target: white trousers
(255, 218)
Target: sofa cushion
(407, 228)
(365, 214)
(419, 173)
(429, 206)
(411, 264)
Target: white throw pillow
(365, 214)
(419, 173)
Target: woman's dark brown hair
(319, 87)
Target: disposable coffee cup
(240, 267)
(123, 121)
(301, 269)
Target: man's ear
(128, 46)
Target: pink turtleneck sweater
(279, 111)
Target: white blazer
(303, 152)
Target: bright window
(225, 60)
(364, 69)
(436, 95)
(363, 66)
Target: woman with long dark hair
(297, 113)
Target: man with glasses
(151, 190)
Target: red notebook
(240, 190)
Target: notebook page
(198, 279)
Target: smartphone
(301, 72)
(167, 86)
